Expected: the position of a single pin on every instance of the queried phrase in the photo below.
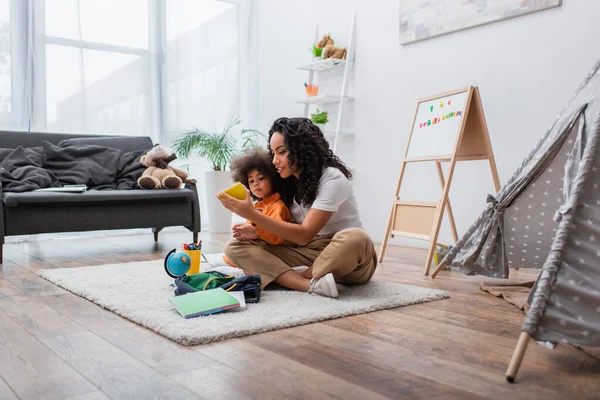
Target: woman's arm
(300, 234)
(277, 211)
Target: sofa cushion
(96, 196)
(129, 171)
(90, 164)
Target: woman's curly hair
(252, 158)
(309, 151)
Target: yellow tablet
(236, 191)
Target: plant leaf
(217, 148)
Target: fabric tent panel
(572, 313)
(529, 224)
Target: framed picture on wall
(424, 19)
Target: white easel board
(436, 127)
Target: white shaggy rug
(140, 292)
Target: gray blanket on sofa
(98, 167)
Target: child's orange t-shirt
(272, 207)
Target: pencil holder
(312, 90)
(195, 256)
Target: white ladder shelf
(326, 98)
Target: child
(254, 169)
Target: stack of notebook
(207, 302)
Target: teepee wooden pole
(438, 269)
(517, 357)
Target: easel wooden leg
(517, 358)
(448, 206)
(392, 212)
(436, 227)
(494, 174)
(441, 207)
(429, 257)
(387, 232)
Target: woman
(326, 235)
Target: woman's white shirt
(335, 195)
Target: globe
(177, 263)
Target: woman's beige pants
(348, 254)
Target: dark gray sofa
(34, 212)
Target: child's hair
(254, 158)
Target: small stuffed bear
(158, 174)
(329, 50)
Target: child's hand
(244, 232)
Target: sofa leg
(195, 237)
(155, 231)
(1, 255)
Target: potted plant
(218, 148)
(317, 52)
(320, 118)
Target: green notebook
(203, 303)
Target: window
(134, 67)
(201, 70)
(5, 59)
(97, 80)
(11, 65)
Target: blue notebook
(204, 303)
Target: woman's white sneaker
(324, 286)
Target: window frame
(14, 119)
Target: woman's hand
(243, 208)
(244, 232)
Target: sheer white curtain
(134, 67)
(6, 69)
(201, 65)
(205, 73)
(13, 69)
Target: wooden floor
(56, 345)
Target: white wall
(526, 69)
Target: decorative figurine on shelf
(329, 49)
(311, 89)
(317, 52)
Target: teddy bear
(158, 174)
(329, 50)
